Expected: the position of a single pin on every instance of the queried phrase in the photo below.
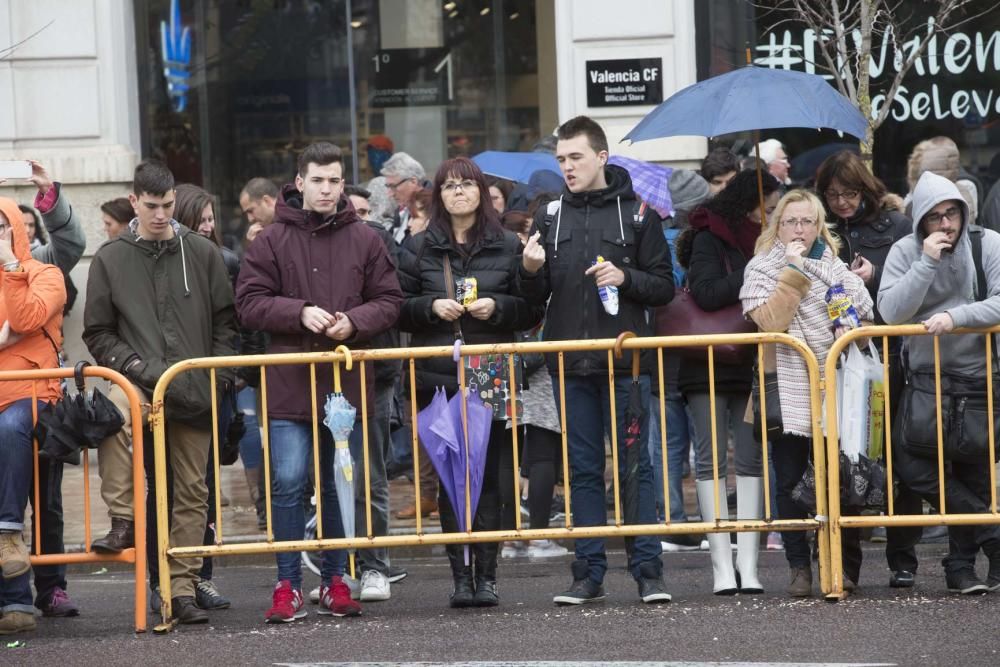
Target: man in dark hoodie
(315, 279)
(596, 236)
(156, 295)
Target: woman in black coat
(465, 232)
(715, 251)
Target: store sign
(924, 95)
(412, 78)
(622, 83)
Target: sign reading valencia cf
(628, 82)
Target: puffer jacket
(493, 263)
(31, 306)
(588, 224)
(162, 302)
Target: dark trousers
(900, 543)
(790, 454)
(49, 577)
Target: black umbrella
(76, 422)
(634, 419)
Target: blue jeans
(16, 472)
(251, 451)
(588, 420)
(291, 445)
(678, 448)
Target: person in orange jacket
(32, 296)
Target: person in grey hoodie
(930, 278)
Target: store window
(233, 89)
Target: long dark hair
(740, 196)
(191, 201)
(850, 170)
(487, 220)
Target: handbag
(862, 485)
(684, 317)
(488, 375)
(772, 400)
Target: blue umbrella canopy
(515, 166)
(751, 98)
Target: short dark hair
(574, 127)
(152, 177)
(120, 210)
(259, 187)
(848, 168)
(321, 153)
(719, 162)
(357, 191)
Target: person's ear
(132, 199)
(603, 158)
(299, 182)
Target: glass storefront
(952, 90)
(233, 89)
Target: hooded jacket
(337, 263)
(493, 263)
(162, 302)
(915, 287)
(588, 224)
(30, 300)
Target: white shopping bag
(860, 403)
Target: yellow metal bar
(514, 441)
(317, 483)
(565, 449)
(831, 567)
(158, 424)
(266, 444)
(889, 495)
(937, 406)
(364, 440)
(991, 464)
(614, 437)
(764, 445)
(416, 446)
(663, 436)
(217, 469)
(719, 502)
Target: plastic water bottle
(608, 293)
(841, 309)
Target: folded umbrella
(635, 446)
(339, 419)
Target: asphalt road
(879, 625)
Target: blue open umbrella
(751, 98)
(515, 166)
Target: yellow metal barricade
(135, 555)
(355, 359)
(838, 520)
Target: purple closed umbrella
(440, 428)
(649, 182)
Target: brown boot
(13, 554)
(121, 536)
(17, 621)
(801, 583)
(427, 506)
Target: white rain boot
(748, 506)
(723, 575)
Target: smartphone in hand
(15, 169)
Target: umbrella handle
(348, 362)
(619, 352)
(81, 383)
(456, 352)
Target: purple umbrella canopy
(440, 428)
(649, 181)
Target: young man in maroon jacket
(316, 278)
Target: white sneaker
(546, 549)
(514, 549)
(374, 587)
(353, 584)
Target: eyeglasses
(953, 213)
(393, 186)
(846, 195)
(452, 187)
(796, 222)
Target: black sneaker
(652, 590)
(207, 596)
(965, 582)
(583, 590)
(902, 579)
(154, 599)
(396, 574)
(186, 612)
(993, 576)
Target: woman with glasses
(464, 234)
(784, 290)
(868, 220)
(715, 250)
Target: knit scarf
(742, 235)
(811, 323)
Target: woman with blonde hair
(784, 290)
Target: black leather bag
(964, 418)
(772, 401)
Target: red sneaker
(286, 604)
(335, 599)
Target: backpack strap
(639, 214)
(976, 238)
(551, 211)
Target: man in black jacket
(598, 236)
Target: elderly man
(773, 153)
(404, 177)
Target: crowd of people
(411, 260)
